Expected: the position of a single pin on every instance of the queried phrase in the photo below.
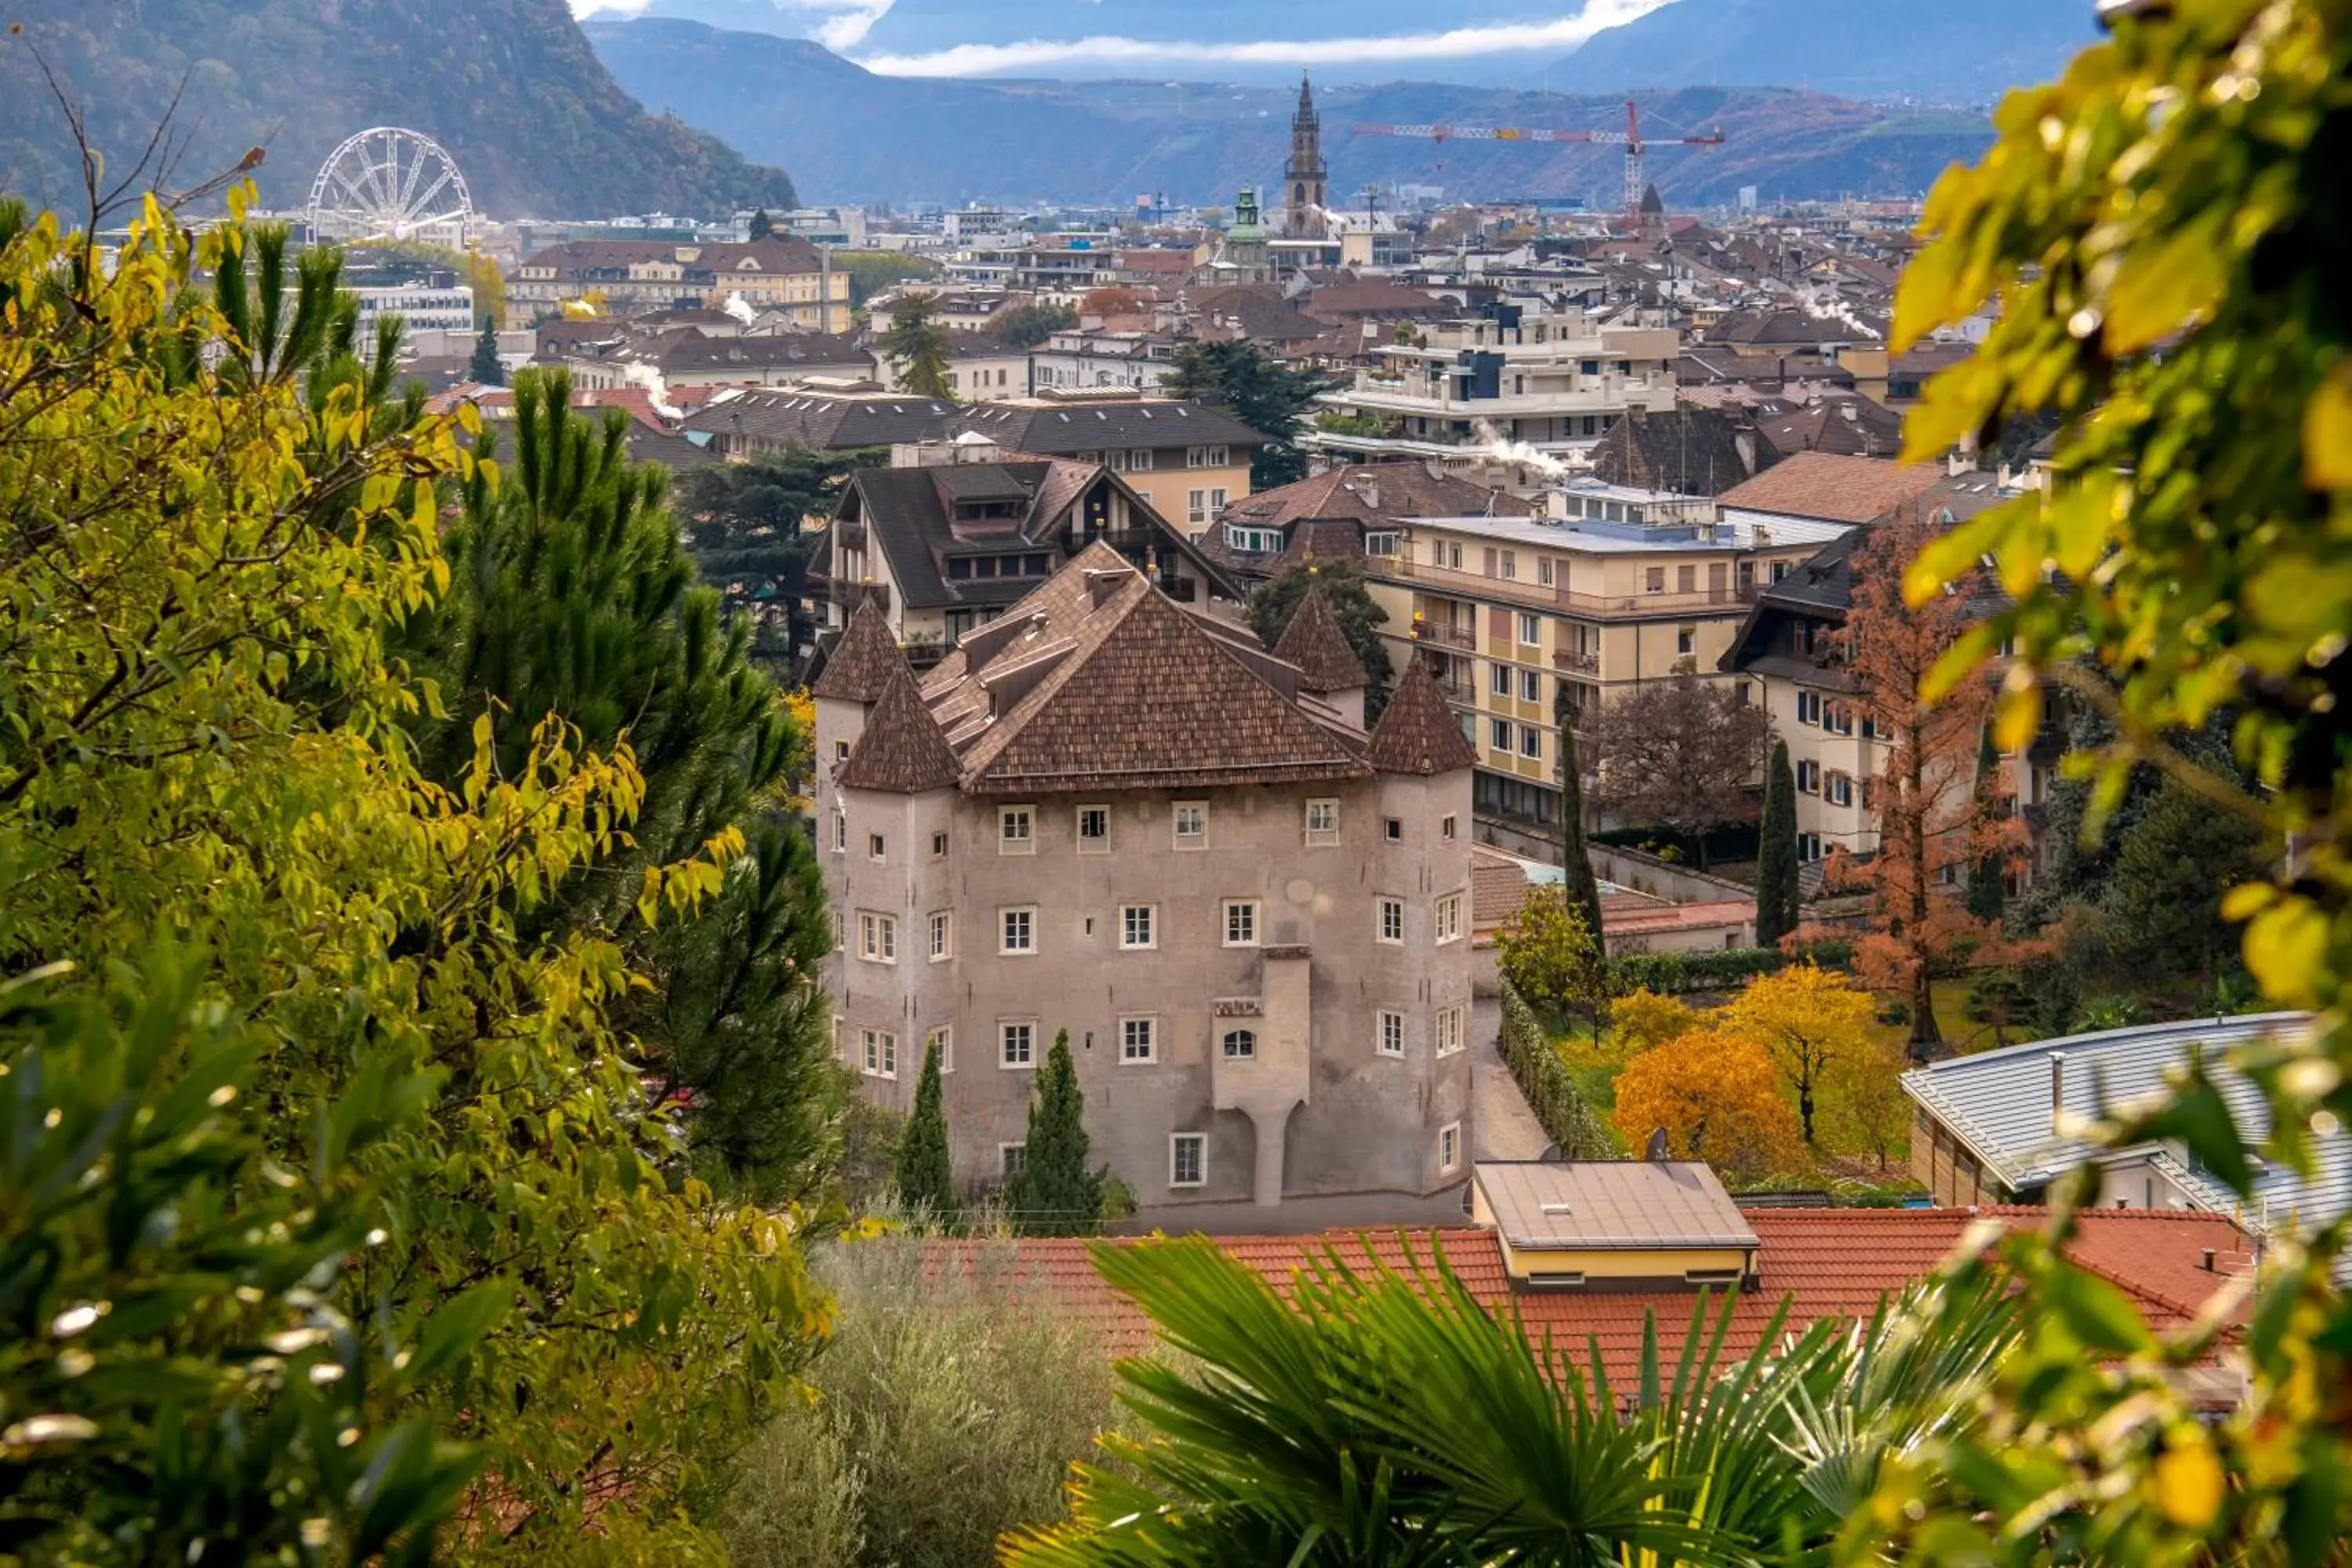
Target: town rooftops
(1314, 642)
(1061, 429)
(1417, 734)
(1592, 1204)
(1589, 538)
(863, 662)
(2001, 1103)
(823, 421)
(1831, 486)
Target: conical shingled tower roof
(902, 750)
(864, 660)
(1418, 733)
(1314, 642)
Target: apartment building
(952, 534)
(1188, 460)
(1107, 815)
(780, 273)
(1516, 616)
(1555, 383)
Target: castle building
(1308, 177)
(1106, 814)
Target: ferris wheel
(390, 183)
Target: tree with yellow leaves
(1646, 1019)
(1717, 1096)
(1811, 1021)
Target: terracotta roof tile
(1832, 487)
(1417, 733)
(1314, 642)
(864, 661)
(900, 749)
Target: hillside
(510, 87)
(1931, 50)
(858, 137)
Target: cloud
(835, 23)
(984, 59)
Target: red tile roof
(1827, 1263)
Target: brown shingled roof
(864, 661)
(1314, 642)
(1418, 733)
(901, 750)
(1831, 486)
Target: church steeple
(1308, 177)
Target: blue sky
(1196, 39)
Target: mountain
(1933, 51)
(536, 123)
(859, 137)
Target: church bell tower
(1308, 177)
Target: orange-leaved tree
(1717, 1096)
(1811, 1021)
(1934, 825)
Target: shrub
(1550, 1089)
(1676, 973)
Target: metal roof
(2000, 1105)
(1612, 1206)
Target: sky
(1154, 37)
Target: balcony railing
(1445, 637)
(1577, 663)
(1519, 590)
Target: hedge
(1674, 973)
(1551, 1090)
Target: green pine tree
(486, 370)
(918, 343)
(1270, 397)
(1348, 594)
(762, 226)
(1054, 1192)
(1575, 860)
(1776, 860)
(923, 1177)
(1986, 897)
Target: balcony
(1521, 593)
(1445, 637)
(1577, 663)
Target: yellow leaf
(2327, 434)
(2286, 948)
(2161, 289)
(2239, 903)
(2187, 1482)
(2019, 711)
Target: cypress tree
(1985, 895)
(762, 226)
(1054, 1194)
(1575, 862)
(1776, 860)
(923, 1174)
(486, 370)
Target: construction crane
(1631, 139)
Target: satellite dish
(1656, 1152)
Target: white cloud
(835, 23)
(982, 59)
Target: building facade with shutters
(1107, 815)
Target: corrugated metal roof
(2000, 1104)
(1611, 1204)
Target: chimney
(2057, 1088)
(2209, 1261)
(1370, 491)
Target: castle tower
(1308, 176)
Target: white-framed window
(1018, 929)
(1389, 1041)
(1391, 921)
(1392, 829)
(1837, 718)
(938, 845)
(1322, 822)
(1498, 733)
(877, 846)
(1094, 830)
(1531, 629)
(1188, 1159)
(942, 1040)
(1449, 1023)
(1507, 565)
(1138, 461)
(1453, 557)
(1445, 829)
(1449, 1147)
(1009, 1158)
(1809, 708)
(880, 1051)
(1016, 1043)
(942, 935)
(1382, 544)
(840, 931)
(1499, 679)
(878, 937)
(1685, 639)
(841, 833)
(1809, 776)
(1531, 686)
(1196, 506)
(1809, 848)
(1240, 1045)
(1191, 819)
(1254, 540)
(1530, 740)
(1207, 458)
(1139, 1039)
(1016, 830)
(1449, 919)
(841, 752)
(1136, 927)
(1544, 571)
(1839, 789)
(1240, 922)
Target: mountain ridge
(861, 137)
(511, 87)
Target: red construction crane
(1631, 139)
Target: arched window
(1241, 1046)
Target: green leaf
(453, 1328)
(2095, 1311)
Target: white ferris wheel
(390, 183)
